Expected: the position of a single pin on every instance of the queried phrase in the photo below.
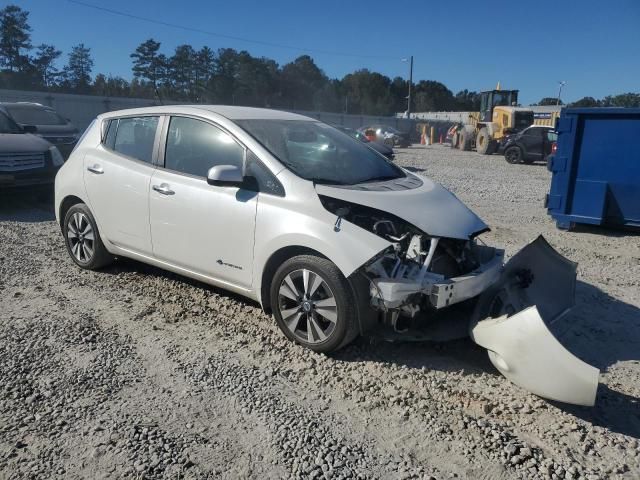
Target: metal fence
(82, 109)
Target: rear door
(117, 175)
(531, 141)
(199, 227)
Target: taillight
(554, 147)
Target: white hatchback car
(324, 232)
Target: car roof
(228, 111)
(25, 104)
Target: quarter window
(194, 146)
(133, 137)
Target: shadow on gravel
(26, 206)
(606, 231)
(601, 330)
(614, 411)
(128, 265)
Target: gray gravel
(132, 372)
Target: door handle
(97, 169)
(164, 189)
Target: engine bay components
(514, 303)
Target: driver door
(195, 226)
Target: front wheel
(513, 155)
(314, 304)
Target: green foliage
(77, 72)
(548, 101)
(15, 37)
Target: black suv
(531, 144)
(48, 124)
(25, 159)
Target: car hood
(22, 142)
(421, 202)
(57, 130)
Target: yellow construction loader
(499, 116)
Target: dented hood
(419, 201)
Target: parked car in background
(381, 148)
(386, 135)
(530, 145)
(51, 126)
(326, 234)
(26, 160)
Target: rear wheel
(314, 304)
(513, 155)
(464, 141)
(83, 240)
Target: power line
(222, 35)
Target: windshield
(29, 115)
(318, 152)
(7, 125)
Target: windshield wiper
(326, 181)
(381, 178)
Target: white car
(325, 233)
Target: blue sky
(593, 45)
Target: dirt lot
(134, 372)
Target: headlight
(56, 156)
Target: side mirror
(30, 129)
(225, 176)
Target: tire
(330, 310)
(464, 142)
(82, 238)
(513, 155)
(483, 142)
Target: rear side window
(194, 146)
(133, 137)
(110, 137)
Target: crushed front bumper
(514, 305)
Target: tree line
(225, 76)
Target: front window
(194, 146)
(29, 115)
(320, 153)
(7, 125)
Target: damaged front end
(505, 308)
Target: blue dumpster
(596, 168)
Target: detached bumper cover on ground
(536, 288)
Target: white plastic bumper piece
(536, 288)
(523, 349)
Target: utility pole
(562, 83)
(410, 82)
(410, 59)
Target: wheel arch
(66, 203)
(276, 259)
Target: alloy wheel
(307, 306)
(81, 237)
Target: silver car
(324, 232)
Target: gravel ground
(133, 372)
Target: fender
(278, 226)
